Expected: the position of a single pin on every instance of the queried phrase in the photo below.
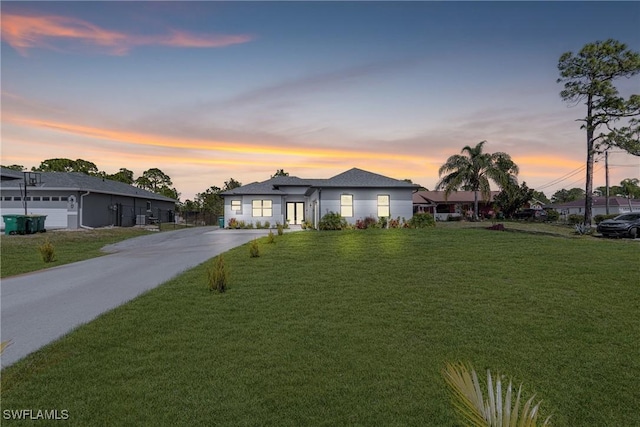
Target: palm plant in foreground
(496, 411)
(472, 169)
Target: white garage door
(56, 218)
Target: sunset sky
(206, 91)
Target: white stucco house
(354, 194)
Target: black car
(623, 225)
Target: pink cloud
(24, 32)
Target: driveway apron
(39, 307)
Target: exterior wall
(277, 213)
(58, 206)
(101, 210)
(365, 202)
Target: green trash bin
(37, 222)
(221, 221)
(14, 224)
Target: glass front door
(295, 213)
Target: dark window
(7, 198)
(55, 198)
(36, 198)
(148, 206)
(64, 199)
(17, 198)
(45, 198)
(28, 198)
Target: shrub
(241, 224)
(47, 251)
(394, 223)
(271, 238)
(280, 229)
(267, 224)
(218, 275)
(422, 220)
(254, 249)
(552, 215)
(382, 222)
(258, 224)
(582, 229)
(233, 223)
(332, 221)
(599, 218)
(575, 219)
(497, 409)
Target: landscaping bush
(332, 221)
(552, 215)
(574, 219)
(280, 229)
(254, 249)
(233, 223)
(258, 224)
(267, 224)
(395, 223)
(599, 218)
(271, 238)
(368, 222)
(422, 220)
(47, 251)
(218, 275)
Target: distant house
(75, 200)
(617, 205)
(457, 203)
(354, 194)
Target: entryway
(295, 213)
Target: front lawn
(19, 253)
(353, 328)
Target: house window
(55, 198)
(346, 205)
(262, 208)
(7, 198)
(36, 198)
(236, 206)
(383, 205)
(17, 199)
(64, 198)
(148, 206)
(45, 198)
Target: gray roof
(360, 178)
(80, 182)
(353, 178)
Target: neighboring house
(617, 205)
(354, 194)
(457, 203)
(75, 200)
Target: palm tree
(472, 169)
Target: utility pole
(606, 175)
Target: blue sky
(206, 91)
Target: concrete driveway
(37, 308)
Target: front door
(295, 213)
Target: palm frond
(497, 410)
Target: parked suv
(623, 225)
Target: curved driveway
(40, 307)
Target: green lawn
(353, 328)
(19, 254)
